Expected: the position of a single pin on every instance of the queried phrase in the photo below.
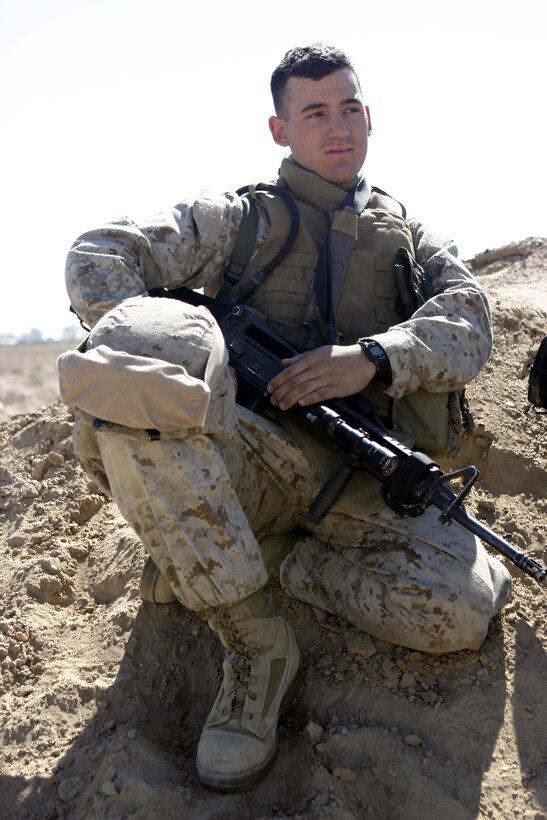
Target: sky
(127, 107)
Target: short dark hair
(313, 62)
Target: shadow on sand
(135, 758)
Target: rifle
(410, 480)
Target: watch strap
(374, 351)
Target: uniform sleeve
(186, 245)
(448, 340)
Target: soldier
(218, 494)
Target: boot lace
(240, 656)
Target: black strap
(332, 266)
(244, 245)
(261, 273)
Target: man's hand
(329, 372)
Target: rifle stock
(411, 481)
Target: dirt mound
(102, 697)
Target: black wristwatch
(378, 356)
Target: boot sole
(150, 577)
(243, 781)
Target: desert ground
(103, 696)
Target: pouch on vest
(537, 380)
(435, 421)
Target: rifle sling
(335, 256)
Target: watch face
(374, 352)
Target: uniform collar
(312, 188)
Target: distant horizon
(29, 337)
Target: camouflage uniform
(204, 495)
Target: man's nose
(337, 127)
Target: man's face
(325, 124)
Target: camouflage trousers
(204, 499)
(202, 504)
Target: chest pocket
(371, 297)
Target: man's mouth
(340, 149)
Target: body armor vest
(369, 302)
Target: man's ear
(278, 132)
(367, 109)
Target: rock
(109, 789)
(407, 680)
(313, 732)
(412, 740)
(362, 645)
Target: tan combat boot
(154, 586)
(262, 675)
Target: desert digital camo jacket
(442, 347)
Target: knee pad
(164, 329)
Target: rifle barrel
(520, 559)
